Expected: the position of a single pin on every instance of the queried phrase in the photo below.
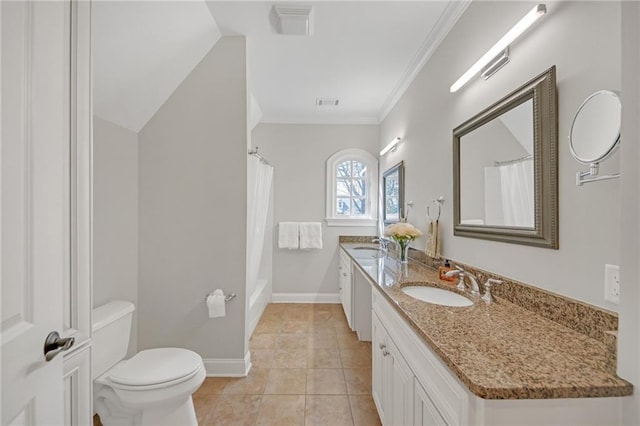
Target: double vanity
(456, 360)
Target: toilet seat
(155, 368)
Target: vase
(404, 251)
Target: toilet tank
(111, 327)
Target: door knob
(54, 344)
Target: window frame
(371, 193)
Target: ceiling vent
(292, 20)
(327, 102)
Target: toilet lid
(155, 366)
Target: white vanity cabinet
(346, 286)
(393, 380)
(411, 385)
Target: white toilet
(154, 387)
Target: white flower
(402, 231)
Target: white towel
(288, 235)
(310, 235)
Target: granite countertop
(501, 350)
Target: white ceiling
(142, 51)
(365, 53)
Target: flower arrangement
(403, 234)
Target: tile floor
(308, 369)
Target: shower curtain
(509, 194)
(260, 177)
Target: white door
(39, 271)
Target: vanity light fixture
(496, 55)
(391, 146)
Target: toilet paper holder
(227, 297)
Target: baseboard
(305, 298)
(228, 367)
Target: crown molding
(447, 20)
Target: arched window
(352, 188)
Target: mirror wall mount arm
(592, 175)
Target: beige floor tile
(324, 358)
(325, 382)
(347, 340)
(356, 358)
(262, 358)
(321, 327)
(358, 380)
(212, 385)
(295, 327)
(295, 315)
(262, 341)
(292, 341)
(323, 341)
(253, 384)
(328, 410)
(281, 410)
(234, 410)
(286, 381)
(289, 358)
(204, 405)
(321, 315)
(340, 326)
(364, 410)
(271, 326)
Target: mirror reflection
(393, 194)
(496, 171)
(595, 130)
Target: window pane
(392, 208)
(358, 188)
(343, 188)
(343, 169)
(359, 169)
(359, 207)
(343, 207)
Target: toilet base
(113, 413)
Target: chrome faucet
(461, 274)
(488, 297)
(384, 243)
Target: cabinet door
(400, 387)
(425, 412)
(345, 286)
(378, 383)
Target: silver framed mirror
(505, 168)
(393, 194)
(595, 133)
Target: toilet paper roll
(215, 304)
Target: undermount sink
(367, 248)
(366, 252)
(437, 296)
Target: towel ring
(438, 202)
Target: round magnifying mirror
(595, 130)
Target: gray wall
(115, 216)
(193, 180)
(299, 153)
(628, 341)
(583, 40)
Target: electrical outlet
(612, 283)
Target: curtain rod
(517, 160)
(254, 152)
